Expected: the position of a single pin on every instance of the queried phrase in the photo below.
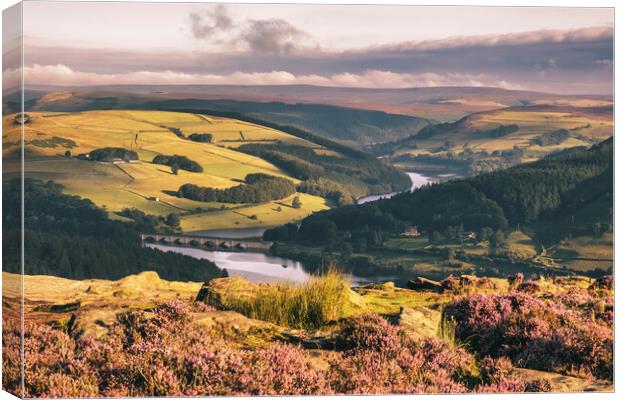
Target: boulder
(426, 285)
(419, 322)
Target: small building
(468, 236)
(154, 198)
(411, 232)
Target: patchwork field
(270, 214)
(144, 185)
(586, 252)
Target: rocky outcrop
(423, 284)
(562, 383)
(419, 322)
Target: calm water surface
(253, 266)
(259, 267)
(417, 180)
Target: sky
(559, 50)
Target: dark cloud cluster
(272, 36)
(263, 36)
(204, 25)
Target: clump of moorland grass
(515, 280)
(309, 305)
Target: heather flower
(494, 370)
(370, 332)
(538, 385)
(503, 386)
(528, 287)
(11, 348)
(285, 370)
(604, 282)
(535, 333)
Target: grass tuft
(310, 305)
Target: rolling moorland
(352, 126)
(463, 131)
(440, 104)
(497, 282)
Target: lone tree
(175, 169)
(296, 202)
(67, 154)
(173, 221)
(498, 239)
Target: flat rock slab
(563, 383)
(419, 322)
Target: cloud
(572, 62)
(61, 75)
(264, 36)
(272, 36)
(205, 24)
(580, 35)
(605, 63)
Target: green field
(147, 186)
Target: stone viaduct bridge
(207, 243)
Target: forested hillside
(349, 176)
(70, 237)
(550, 188)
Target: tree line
(108, 154)
(258, 188)
(488, 203)
(354, 176)
(177, 161)
(201, 137)
(70, 237)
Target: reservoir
(259, 267)
(417, 180)
(253, 266)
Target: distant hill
(436, 103)
(353, 127)
(489, 140)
